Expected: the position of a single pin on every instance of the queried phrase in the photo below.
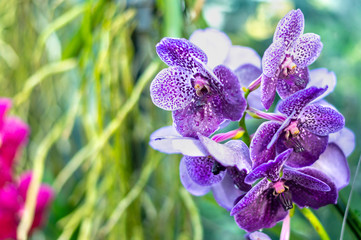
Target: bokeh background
(79, 73)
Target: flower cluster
(296, 157)
(13, 191)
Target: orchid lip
(284, 196)
(217, 168)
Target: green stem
(317, 225)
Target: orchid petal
(297, 101)
(303, 196)
(171, 89)
(233, 153)
(322, 77)
(306, 49)
(273, 57)
(333, 163)
(180, 52)
(258, 148)
(168, 140)
(268, 90)
(200, 170)
(321, 120)
(290, 27)
(188, 183)
(345, 139)
(214, 43)
(239, 55)
(286, 86)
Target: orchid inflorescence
(13, 191)
(296, 157)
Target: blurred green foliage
(79, 74)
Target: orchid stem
(317, 225)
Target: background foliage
(79, 74)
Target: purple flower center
(288, 66)
(201, 84)
(284, 196)
(217, 168)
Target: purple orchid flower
(270, 199)
(199, 98)
(285, 61)
(305, 128)
(207, 165)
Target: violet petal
(188, 183)
(306, 197)
(306, 49)
(268, 90)
(290, 27)
(199, 117)
(200, 170)
(333, 163)
(270, 170)
(214, 43)
(171, 89)
(321, 120)
(232, 154)
(168, 140)
(273, 57)
(322, 77)
(286, 86)
(180, 52)
(225, 192)
(345, 139)
(297, 101)
(306, 145)
(305, 180)
(234, 104)
(258, 208)
(258, 147)
(240, 55)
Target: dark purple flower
(207, 164)
(285, 61)
(305, 130)
(270, 199)
(199, 98)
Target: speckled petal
(258, 208)
(225, 192)
(307, 147)
(270, 170)
(321, 120)
(322, 77)
(168, 140)
(200, 170)
(239, 55)
(272, 58)
(268, 90)
(214, 43)
(200, 116)
(290, 27)
(306, 197)
(305, 180)
(246, 74)
(306, 50)
(188, 183)
(232, 154)
(333, 163)
(345, 139)
(239, 178)
(258, 148)
(286, 86)
(180, 52)
(171, 89)
(234, 103)
(296, 102)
